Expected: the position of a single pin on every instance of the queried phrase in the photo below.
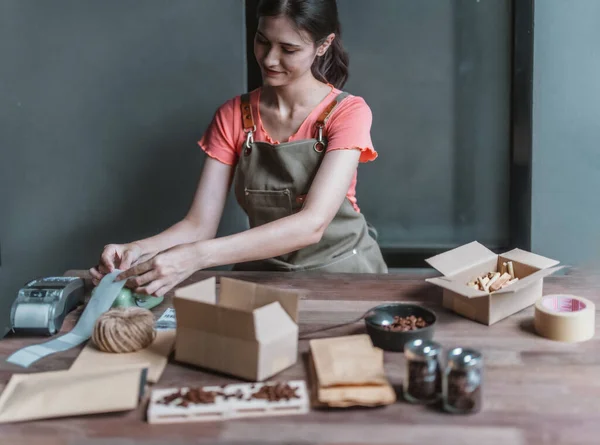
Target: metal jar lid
(464, 358)
(422, 349)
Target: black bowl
(395, 340)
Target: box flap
(250, 296)
(237, 294)
(461, 258)
(204, 290)
(288, 299)
(224, 321)
(236, 323)
(458, 287)
(272, 322)
(191, 313)
(524, 282)
(531, 259)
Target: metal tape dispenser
(42, 304)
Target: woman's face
(283, 53)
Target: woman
(291, 149)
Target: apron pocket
(264, 206)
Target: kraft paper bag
(46, 395)
(348, 360)
(156, 355)
(348, 371)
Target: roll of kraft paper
(565, 318)
(108, 289)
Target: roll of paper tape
(565, 318)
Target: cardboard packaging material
(348, 371)
(156, 356)
(467, 262)
(46, 395)
(251, 332)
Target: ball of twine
(124, 330)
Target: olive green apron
(272, 180)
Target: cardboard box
(467, 262)
(251, 332)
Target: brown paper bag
(46, 395)
(156, 355)
(348, 360)
(348, 371)
(342, 397)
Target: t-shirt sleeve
(349, 127)
(219, 140)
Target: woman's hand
(160, 274)
(116, 256)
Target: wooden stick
(504, 278)
(511, 270)
(508, 283)
(483, 283)
(494, 279)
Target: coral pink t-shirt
(348, 127)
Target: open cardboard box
(251, 332)
(467, 262)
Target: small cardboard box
(467, 262)
(250, 333)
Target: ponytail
(332, 67)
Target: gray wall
(437, 77)
(101, 105)
(566, 131)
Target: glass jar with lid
(423, 377)
(463, 379)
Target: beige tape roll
(565, 318)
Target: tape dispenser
(42, 304)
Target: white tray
(223, 409)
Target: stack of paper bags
(348, 371)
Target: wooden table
(536, 391)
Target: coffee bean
(404, 324)
(193, 395)
(276, 392)
(272, 393)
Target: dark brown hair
(319, 18)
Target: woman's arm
(326, 195)
(200, 223)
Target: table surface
(536, 391)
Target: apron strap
(247, 119)
(322, 120)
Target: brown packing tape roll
(566, 318)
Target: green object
(124, 299)
(127, 298)
(147, 301)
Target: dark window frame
(520, 130)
